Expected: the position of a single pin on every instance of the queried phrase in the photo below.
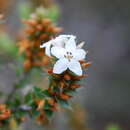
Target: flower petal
(80, 45)
(75, 67)
(60, 66)
(67, 36)
(58, 52)
(59, 42)
(79, 54)
(45, 44)
(71, 44)
(47, 47)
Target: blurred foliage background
(103, 103)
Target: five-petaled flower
(58, 41)
(68, 57)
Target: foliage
(38, 103)
(113, 127)
(7, 45)
(52, 13)
(25, 10)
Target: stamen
(68, 56)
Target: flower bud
(39, 27)
(64, 96)
(46, 21)
(27, 65)
(85, 65)
(73, 86)
(32, 22)
(40, 104)
(67, 77)
(57, 30)
(51, 102)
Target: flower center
(68, 56)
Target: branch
(20, 82)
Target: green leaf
(38, 92)
(49, 114)
(64, 104)
(56, 89)
(34, 113)
(46, 105)
(70, 92)
(15, 101)
(18, 114)
(29, 99)
(46, 93)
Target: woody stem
(17, 86)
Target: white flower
(68, 57)
(58, 41)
